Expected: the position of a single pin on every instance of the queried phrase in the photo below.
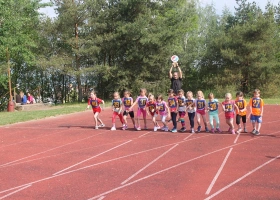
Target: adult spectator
(23, 98)
(176, 77)
(17, 98)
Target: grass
(22, 116)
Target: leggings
(191, 118)
(115, 114)
(174, 119)
(216, 117)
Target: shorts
(202, 112)
(229, 115)
(131, 113)
(238, 119)
(96, 110)
(255, 118)
(182, 114)
(141, 110)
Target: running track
(65, 158)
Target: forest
(117, 45)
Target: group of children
(179, 105)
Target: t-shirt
(256, 104)
(176, 84)
(116, 103)
(152, 107)
(162, 108)
(141, 101)
(229, 106)
(24, 99)
(188, 102)
(241, 105)
(213, 106)
(181, 104)
(172, 103)
(200, 104)
(127, 102)
(94, 102)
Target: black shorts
(238, 119)
(131, 114)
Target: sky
(218, 4)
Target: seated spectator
(30, 98)
(23, 98)
(17, 98)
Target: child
(95, 104)
(256, 107)
(213, 106)
(228, 107)
(200, 104)
(141, 101)
(173, 106)
(241, 103)
(182, 109)
(151, 107)
(163, 110)
(117, 110)
(127, 102)
(191, 109)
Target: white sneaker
(101, 125)
(113, 128)
(96, 127)
(155, 128)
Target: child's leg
(125, 117)
(182, 115)
(131, 114)
(174, 119)
(163, 120)
(259, 127)
(138, 117)
(205, 122)
(244, 119)
(211, 121)
(216, 118)
(198, 118)
(114, 118)
(238, 121)
(95, 116)
(191, 118)
(121, 118)
(145, 117)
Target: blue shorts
(255, 118)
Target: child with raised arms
(141, 101)
(127, 102)
(173, 107)
(200, 104)
(191, 109)
(256, 107)
(213, 106)
(242, 104)
(228, 107)
(163, 110)
(117, 110)
(95, 102)
(151, 108)
(182, 109)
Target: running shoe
(257, 133)
(145, 128)
(155, 128)
(218, 130)
(166, 129)
(113, 128)
(158, 126)
(198, 129)
(239, 130)
(232, 131)
(212, 130)
(192, 130)
(174, 130)
(138, 128)
(124, 127)
(245, 130)
(101, 125)
(163, 128)
(183, 129)
(254, 131)
(206, 129)
(96, 127)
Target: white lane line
(101, 198)
(69, 172)
(144, 134)
(167, 169)
(91, 157)
(135, 174)
(188, 136)
(218, 173)
(3, 165)
(238, 134)
(242, 177)
(22, 188)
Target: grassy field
(22, 116)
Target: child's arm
(236, 107)
(168, 110)
(134, 103)
(103, 104)
(224, 108)
(180, 72)
(88, 104)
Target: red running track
(65, 158)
